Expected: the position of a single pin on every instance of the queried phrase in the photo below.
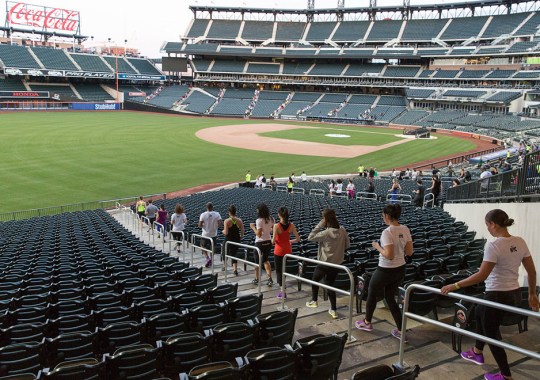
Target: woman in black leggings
(396, 242)
(333, 241)
(502, 259)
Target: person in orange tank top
(281, 238)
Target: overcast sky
(147, 24)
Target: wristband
(456, 285)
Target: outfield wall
(527, 221)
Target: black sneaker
(255, 281)
(270, 282)
(236, 273)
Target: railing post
(257, 266)
(324, 286)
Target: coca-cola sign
(36, 16)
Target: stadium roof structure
(508, 4)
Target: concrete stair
(430, 347)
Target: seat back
(134, 362)
(377, 372)
(70, 346)
(213, 371)
(21, 358)
(182, 352)
(320, 356)
(231, 340)
(276, 328)
(206, 317)
(244, 308)
(163, 326)
(221, 293)
(272, 363)
(87, 369)
(203, 282)
(120, 334)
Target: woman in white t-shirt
(502, 259)
(263, 240)
(396, 242)
(339, 187)
(178, 222)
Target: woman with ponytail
(396, 243)
(502, 259)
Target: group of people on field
(499, 269)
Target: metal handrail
(282, 189)
(257, 266)
(171, 240)
(317, 192)
(147, 221)
(470, 334)
(209, 251)
(428, 201)
(324, 286)
(401, 198)
(298, 190)
(156, 224)
(366, 195)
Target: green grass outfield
(54, 158)
(358, 136)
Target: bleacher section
(17, 56)
(9, 84)
(384, 30)
(91, 62)
(198, 28)
(401, 71)
(422, 30)
(464, 28)
(168, 96)
(54, 58)
(224, 29)
(123, 66)
(143, 66)
(351, 31)
(223, 66)
(320, 31)
(92, 92)
(263, 68)
(289, 31)
(231, 107)
(55, 89)
(265, 108)
(198, 102)
(257, 30)
(504, 24)
(410, 117)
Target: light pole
(109, 45)
(125, 47)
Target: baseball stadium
(314, 193)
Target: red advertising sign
(36, 16)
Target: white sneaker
(333, 314)
(312, 304)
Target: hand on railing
(533, 301)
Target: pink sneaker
(473, 357)
(494, 376)
(363, 325)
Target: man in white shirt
(304, 176)
(209, 221)
(484, 178)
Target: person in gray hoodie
(333, 241)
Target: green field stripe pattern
(356, 136)
(54, 158)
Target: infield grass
(356, 135)
(55, 158)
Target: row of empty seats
(58, 59)
(482, 27)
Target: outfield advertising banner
(24, 94)
(95, 106)
(79, 74)
(141, 77)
